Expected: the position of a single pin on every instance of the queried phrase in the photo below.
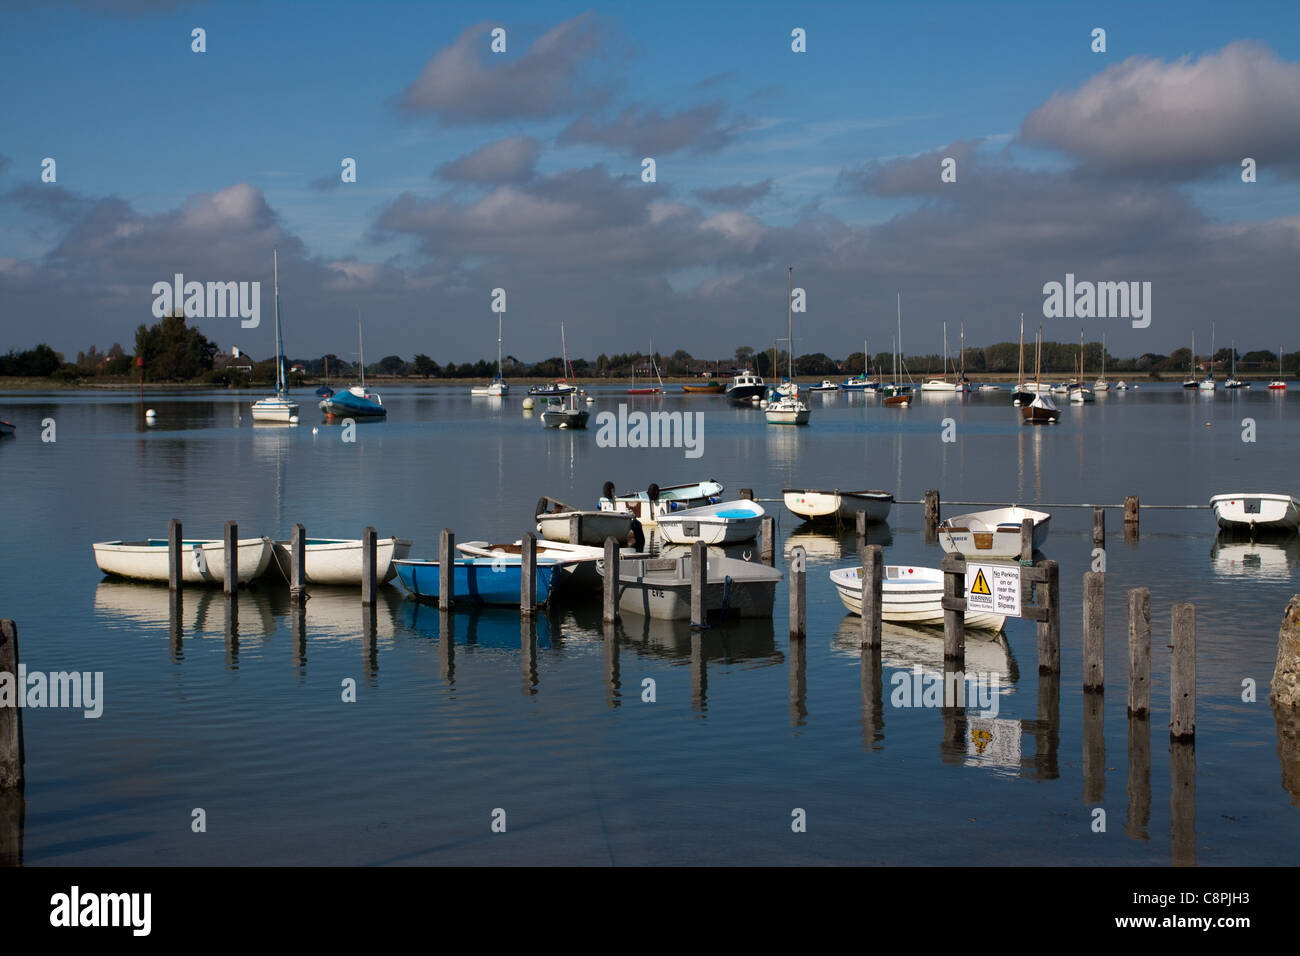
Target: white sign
(993, 588)
(993, 743)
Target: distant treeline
(174, 352)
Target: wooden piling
(931, 510)
(175, 574)
(1139, 652)
(232, 557)
(369, 583)
(746, 494)
(575, 529)
(1182, 674)
(1131, 515)
(954, 609)
(12, 755)
(446, 569)
(1094, 630)
(767, 541)
(528, 576)
(1049, 630)
(873, 571)
(699, 579)
(861, 518)
(1027, 540)
(798, 593)
(297, 563)
(1099, 528)
(610, 581)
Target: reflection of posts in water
(699, 673)
(798, 681)
(298, 632)
(873, 698)
(13, 812)
(953, 747)
(446, 645)
(1094, 746)
(1139, 778)
(1182, 803)
(232, 629)
(1287, 721)
(613, 682)
(175, 627)
(1047, 728)
(528, 653)
(369, 640)
(12, 755)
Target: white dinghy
(661, 587)
(992, 534)
(577, 562)
(909, 595)
(813, 505)
(204, 561)
(1256, 512)
(555, 521)
(722, 523)
(337, 561)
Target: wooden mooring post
(1139, 652)
(12, 755)
(575, 529)
(873, 571)
(232, 557)
(528, 576)
(1099, 528)
(297, 563)
(1131, 517)
(861, 527)
(798, 593)
(1027, 541)
(610, 582)
(954, 610)
(931, 511)
(746, 494)
(175, 569)
(446, 569)
(369, 582)
(1049, 625)
(767, 540)
(699, 580)
(1182, 674)
(1094, 631)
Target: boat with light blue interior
(495, 580)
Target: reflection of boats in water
(1268, 557)
(906, 646)
(825, 546)
(335, 613)
(134, 605)
(739, 639)
(498, 628)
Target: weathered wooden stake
(861, 517)
(767, 541)
(747, 494)
(369, 583)
(954, 609)
(931, 510)
(1027, 540)
(1131, 515)
(1139, 652)
(232, 557)
(798, 593)
(1099, 528)
(446, 569)
(1182, 674)
(528, 576)
(610, 581)
(873, 570)
(1094, 630)
(699, 579)
(12, 755)
(1049, 631)
(297, 563)
(575, 529)
(175, 574)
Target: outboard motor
(608, 490)
(638, 535)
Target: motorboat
(1256, 511)
(745, 386)
(723, 523)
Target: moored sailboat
(278, 407)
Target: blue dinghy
(479, 580)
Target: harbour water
(246, 720)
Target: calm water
(246, 721)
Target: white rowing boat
(203, 561)
(577, 562)
(812, 505)
(555, 521)
(992, 534)
(1256, 511)
(337, 561)
(661, 587)
(909, 595)
(722, 523)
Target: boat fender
(200, 560)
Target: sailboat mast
(963, 353)
(898, 342)
(498, 345)
(279, 345)
(1020, 376)
(789, 321)
(361, 352)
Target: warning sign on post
(993, 588)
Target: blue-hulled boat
(479, 580)
(354, 402)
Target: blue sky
(284, 91)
